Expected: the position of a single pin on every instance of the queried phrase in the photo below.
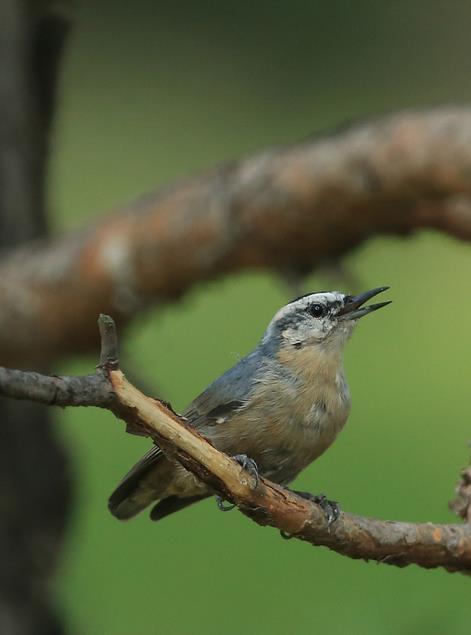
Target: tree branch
(287, 208)
(425, 544)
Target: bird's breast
(320, 394)
(290, 419)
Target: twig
(425, 544)
(109, 342)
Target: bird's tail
(173, 504)
(125, 504)
(139, 487)
(144, 484)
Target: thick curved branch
(286, 209)
(425, 544)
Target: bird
(275, 411)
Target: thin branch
(54, 390)
(425, 544)
(290, 208)
(109, 342)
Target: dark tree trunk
(34, 480)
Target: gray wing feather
(226, 394)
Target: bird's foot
(223, 508)
(248, 464)
(330, 508)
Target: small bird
(276, 410)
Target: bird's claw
(330, 508)
(223, 508)
(247, 464)
(285, 535)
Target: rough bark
(34, 488)
(428, 545)
(287, 209)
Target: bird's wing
(225, 395)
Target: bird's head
(320, 319)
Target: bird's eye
(316, 310)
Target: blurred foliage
(151, 93)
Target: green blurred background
(152, 92)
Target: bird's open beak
(353, 308)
